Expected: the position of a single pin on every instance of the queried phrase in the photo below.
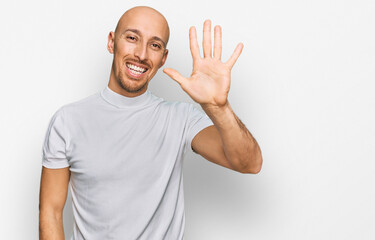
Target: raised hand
(209, 82)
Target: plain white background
(303, 85)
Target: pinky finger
(232, 60)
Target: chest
(125, 148)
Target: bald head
(146, 15)
(139, 49)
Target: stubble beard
(124, 83)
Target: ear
(164, 58)
(111, 42)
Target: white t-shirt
(125, 156)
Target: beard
(125, 84)
(132, 89)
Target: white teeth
(134, 68)
(135, 72)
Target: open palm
(209, 82)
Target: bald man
(122, 148)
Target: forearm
(240, 147)
(50, 226)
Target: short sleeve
(197, 121)
(54, 146)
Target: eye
(156, 45)
(130, 38)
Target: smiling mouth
(135, 70)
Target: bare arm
(228, 143)
(53, 192)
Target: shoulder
(88, 101)
(74, 109)
(173, 105)
(177, 108)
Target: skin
(52, 197)
(227, 143)
(140, 39)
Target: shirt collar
(122, 101)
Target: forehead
(148, 23)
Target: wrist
(220, 115)
(215, 107)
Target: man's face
(139, 49)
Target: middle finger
(207, 38)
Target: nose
(141, 51)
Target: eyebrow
(136, 31)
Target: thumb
(175, 75)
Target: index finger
(194, 47)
